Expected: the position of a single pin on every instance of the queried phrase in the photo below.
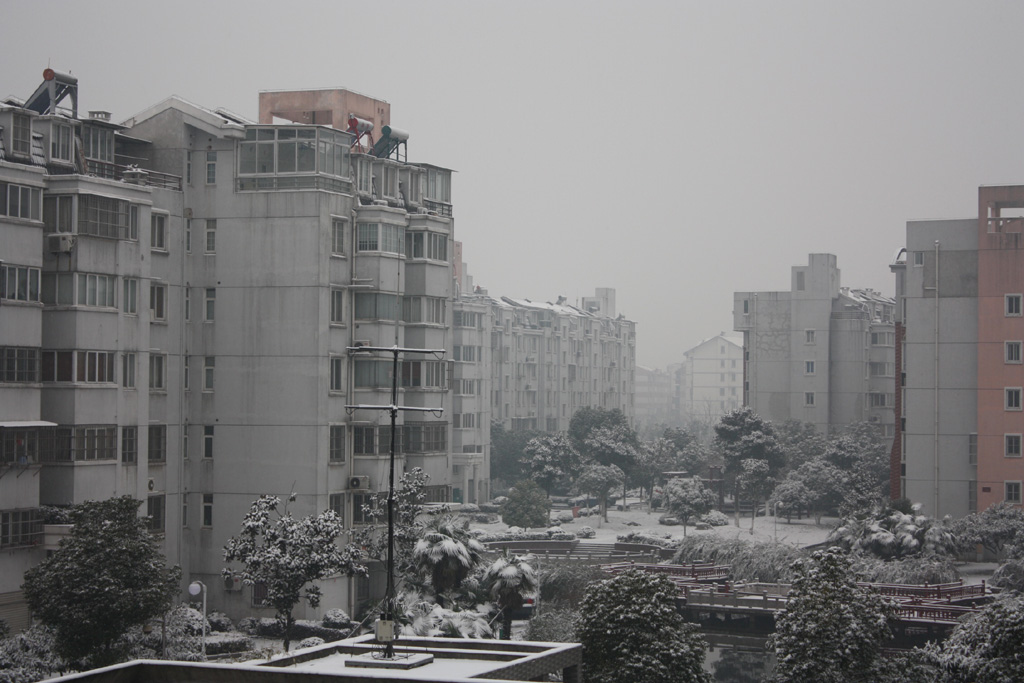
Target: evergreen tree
(631, 631)
(527, 506)
(107, 576)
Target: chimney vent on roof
(99, 115)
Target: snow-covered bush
(469, 508)
(336, 618)
(648, 538)
(29, 656)
(312, 641)
(219, 622)
(563, 536)
(715, 518)
(565, 517)
(894, 535)
(515, 531)
(499, 501)
(584, 512)
(585, 532)
(485, 518)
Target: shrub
(647, 538)
(567, 583)
(748, 561)
(219, 622)
(715, 518)
(469, 508)
(229, 644)
(499, 501)
(1010, 576)
(912, 570)
(527, 506)
(553, 626)
(585, 532)
(563, 536)
(337, 618)
(565, 517)
(312, 641)
(584, 512)
(485, 518)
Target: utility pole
(384, 629)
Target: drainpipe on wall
(935, 416)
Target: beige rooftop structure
(323, 107)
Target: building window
(426, 374)
(208, 441)
(21, 138)
(1012, 489)
(98, 143)
(371, 373)
(155, 512)
(918, 258)
(209, 363)
(209, 304)
(337, 306)
(879, 400)
(21, 528)
(337, 445)
(360, 503)
(429, 245)
(185, 378)
(19, 201)
(363, 440)
(184, 510)
(96, 290)
(338, 236)
(130, 298)
(1013, 305)
(337, 382)
(1013, 352)
(808, 398)
(972, 448)
(188, 167)
(211, 168)
(157, 442)
(1012, 445)
(882, 369)
(809, 367)
(428, 437)
(424, 309)
(883, 338)
(382, 237)
(207, 509)
(158, 232)
(800, 280)
(376, 306)
(808, 336)
(19, 365)
(128, 370)
(129, 444)
(60, 142)
(157, 365)
(1013, 398)
(19, 283)
(157, 302)
(133, 222)
(211, 236)
(58, 214)
(336, 504)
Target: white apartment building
(709, 381)
(654, 401)
(818, 353)
(180, 331)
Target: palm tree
(509, 581)
(447, 554)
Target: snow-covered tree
(653, 458)
(801, 441)
(600, 480)
(107, 576)
(30, 656)
(631, 631)
(288, 555)
(551, 460)
(527, 506)
(419, 616)
(825, 484)
(986, 647)
(410, 494)
(999, 528)
(832, 630)
(755, 484)
(687, 498)
(446, 554)
(509, 581)
(790, 495)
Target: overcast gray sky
(676, 151)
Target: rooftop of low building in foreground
(456, 660)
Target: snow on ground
(801, 532)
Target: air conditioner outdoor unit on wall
(60, 244)
(232, 583)
(359, 483)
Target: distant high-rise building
(709, 381)
(818, 353)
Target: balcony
(125, 174)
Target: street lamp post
(194, 589)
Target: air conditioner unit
(232, 583)
(151, 485)
(362, 342)
(60, 244)
(188, 213)
(359, 483)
